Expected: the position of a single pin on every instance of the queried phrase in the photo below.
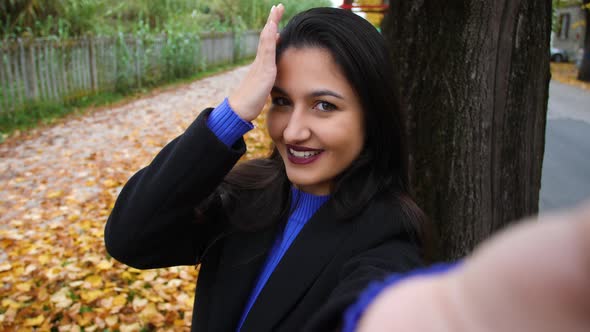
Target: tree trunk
(475, 79)
(584, 73)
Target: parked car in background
(558, 55)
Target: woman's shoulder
(387, 207)
(392, 216)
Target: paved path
(566, 166)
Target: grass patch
(38, 113)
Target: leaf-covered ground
(58, 186)
(567, 73)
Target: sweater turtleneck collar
(304, 205)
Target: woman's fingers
(267, 47)
(278, 13)
(268, 36)
(250, 96)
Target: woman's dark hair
(381, 170)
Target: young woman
(286, 242)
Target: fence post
(3, 83)
(86, 65)
(40, 73)
(31, 70)
(64, 71)
(47, 64)
(92, 62)
(115, 67)
(11, 91)
(137, 68)
(79, 67)
(24, 72)
(57, 93)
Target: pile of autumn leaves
(59, 277)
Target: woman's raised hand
(249, 98)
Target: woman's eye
(325, 106)
(280, 101)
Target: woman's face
(316, 119)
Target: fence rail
(52, 70)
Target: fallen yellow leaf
(104, 265)
(148, 275)
(151, 314)
(110, 183)
(139, 303)
(73, 217)
(126, 275)
(85, 319)
(24, 287)
(94, 281)
(42, 295)
(90, 296)
(61, 298)
(5, 267)
(111, 320)
(9, 303)
(30, 268)
(35, 321)
(120, 300)
(54, 194)
(130, 327)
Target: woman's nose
(297, 129)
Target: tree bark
(584, 72)
(475, 80)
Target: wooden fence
(52, 70)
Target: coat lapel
(241, 259)
(313, 248)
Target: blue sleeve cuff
(353, 314)
(226, 124)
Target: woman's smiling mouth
(302, 155)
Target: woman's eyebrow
(317, 93)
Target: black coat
(330, 262)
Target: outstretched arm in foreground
(532, 277)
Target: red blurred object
(366, 8)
